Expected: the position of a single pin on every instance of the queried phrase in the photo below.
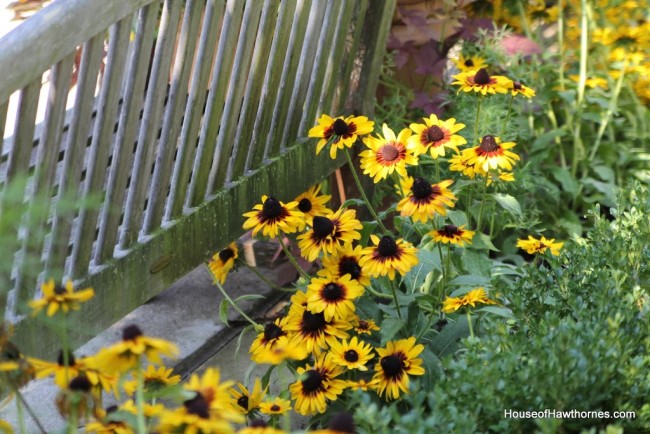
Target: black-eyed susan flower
(108, 426)
(77, 398)
(5, 427)
(345, 261)
(272, 217)
(313, 331)
(275, 406)
(155, 379)
(452, 234)
(591, 82)
(62, 298)
(532, 245)
(459, 163)
(482, 82)
(341, 423)
(388, 256)
(340, 132)
(491, 153)
(435, 135)
(134, 346)
(221, 263)
(518, 88)
(311, 204)
(365, 326)
(352, 354)
(15, 369)
(214, 396)
(472, 298)
(387, 154)
(328, 233)
(362, 384)
(317, 385)
(469, 63)
(452, 304)
(423, 200)
(248, 401)
(149, 409)
(196, 416)
(333, 296)
(263, 344)
(259, 426)
(63, 370)
(396, 362)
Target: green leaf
(223, 312)
(497, 310)
(428, 260)
(482, 241)
(353, 202)
(248, 297)
(509, 203)
(605, 173)
(563, 176)
(390, 327)
(447, 341)
(470, 280)
(477, 263)
(457, 217)
(546, 138)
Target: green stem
(261, 276)
(524, 20)
(141, 425)
(478, 113)
(505, 121)
(578, 147)
(551, 115)
(469, 323)
(608, 116)
(291, 258)
(480, 212)
(234, 305)
(438, 169)
(377, 294)
(560, 41)
(21, 416)
(363, 193)
(23, 403)
(394, 292)
(66, 345)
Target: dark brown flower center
(469, 62)
(435, 134)
(243, 402)
(421, 188)
(322, 227)
(351, 356)
(333, 292)
(272, 331)
(258, 423)
(340, 127)
(304, 205)
(342, 422)
(198, 406)
(389, 152)
(130, 333)
(313, 322)
(489, 144)
(271, 208)
(348, 265)
(482, 77)
(517, 86)
(226, 254)
(363, 324)
(392, 365)
(59, 290)
(61, 359)
(387, 246)
(449, 230)
(275, 407)
(80, 383)
(312, 381)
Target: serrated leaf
(223, 312)
(248, 297)
(390, 327)
(509, 203)
(497, 310)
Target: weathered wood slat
(51, 34)
(151, 120)
(252, 93)
(194, 109)
(331, 25)
(288, 9)
(107, 110)
(176, 102)
(337, 56)
(4, 106)
(44, 172)
(287, 81)
(216, 100)
(307, 57)
(136, 77)
(74, 153)
(231, 112)
(351, 57)
(18, 160)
